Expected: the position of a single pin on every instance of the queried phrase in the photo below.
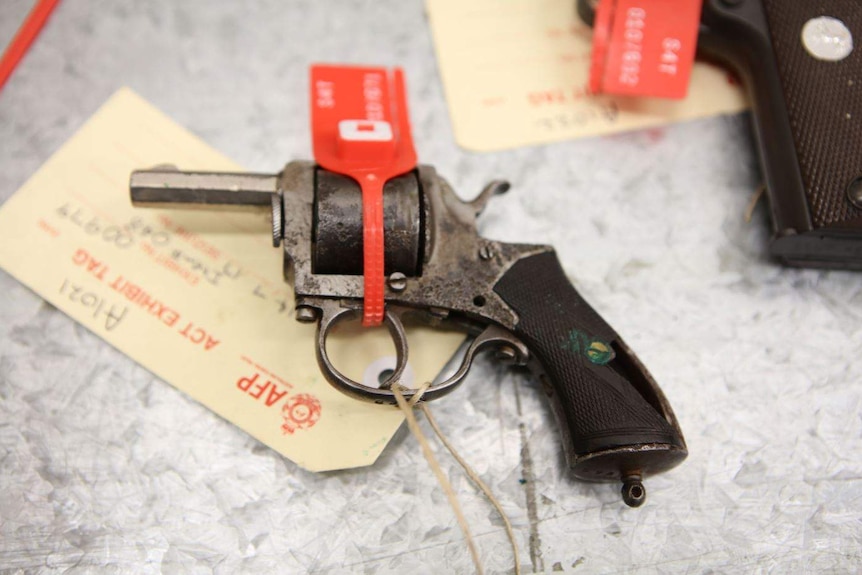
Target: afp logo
(299, 412)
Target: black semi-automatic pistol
(513, 298)
(804, 78)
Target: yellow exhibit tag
(516, 74)
(196, 297)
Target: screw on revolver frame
(397, 282)
(486, 252)
(306, 314)
(634, 492)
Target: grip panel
(615, 420)
(824, 102)
(807, 117)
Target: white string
(752, 203)
(413, 425)
(407, 407)
(510, 533)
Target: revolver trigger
(329, 312)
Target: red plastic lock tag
(644, 47)
(361, 129)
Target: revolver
(804, 80)
(513, 298)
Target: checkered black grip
(600, 392)
(824, 102)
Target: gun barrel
(170, 188)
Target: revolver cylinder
(337, 232)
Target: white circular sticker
(827, 38)
(380, 369)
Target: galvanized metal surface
(107, 469)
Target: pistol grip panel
(807, 117)
(613, 417)
(824, 103)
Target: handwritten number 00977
(111, 234)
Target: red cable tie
(372, 245)
(361, 128)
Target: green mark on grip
(597, 351)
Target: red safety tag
(644, 47)
(361, 129)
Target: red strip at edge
(25, 36)
(602, 26)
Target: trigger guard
(333, 313)
(492, 336)
(329, 318)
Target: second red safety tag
(361, 129)
(644, 47)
